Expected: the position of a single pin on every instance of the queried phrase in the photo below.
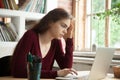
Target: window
(92, 29)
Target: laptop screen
(101, 63)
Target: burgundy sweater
(30, 43)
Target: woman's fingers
(66, 71)
(69, 33)
(73, 71)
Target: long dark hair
(52, 16)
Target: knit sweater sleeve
(19, 59)
(64, 60)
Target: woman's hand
(69, 33)
(64, 72)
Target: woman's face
(59, 28)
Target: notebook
(99, 68)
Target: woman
(44, 41)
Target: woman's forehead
(66, 21)
(62, 21)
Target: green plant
(114, 12)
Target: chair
(5, 66)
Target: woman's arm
(19, 58)
(64, 60)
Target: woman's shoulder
(30, 32)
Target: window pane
(115, 27)
(114, 35)
(98, 32)
(95, 34)
(98, 6)
(95, 6)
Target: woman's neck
(45, 38)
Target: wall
(66, 4)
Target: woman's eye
(64, 26)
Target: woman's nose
(65, 31)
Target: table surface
(11, 78)
(109, 77)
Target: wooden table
(108, 77)
(81, 73)
(11, 78)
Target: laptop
(100, 66)
(101, 63)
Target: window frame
(80, 23)
(80, 33)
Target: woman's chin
(59, 37)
